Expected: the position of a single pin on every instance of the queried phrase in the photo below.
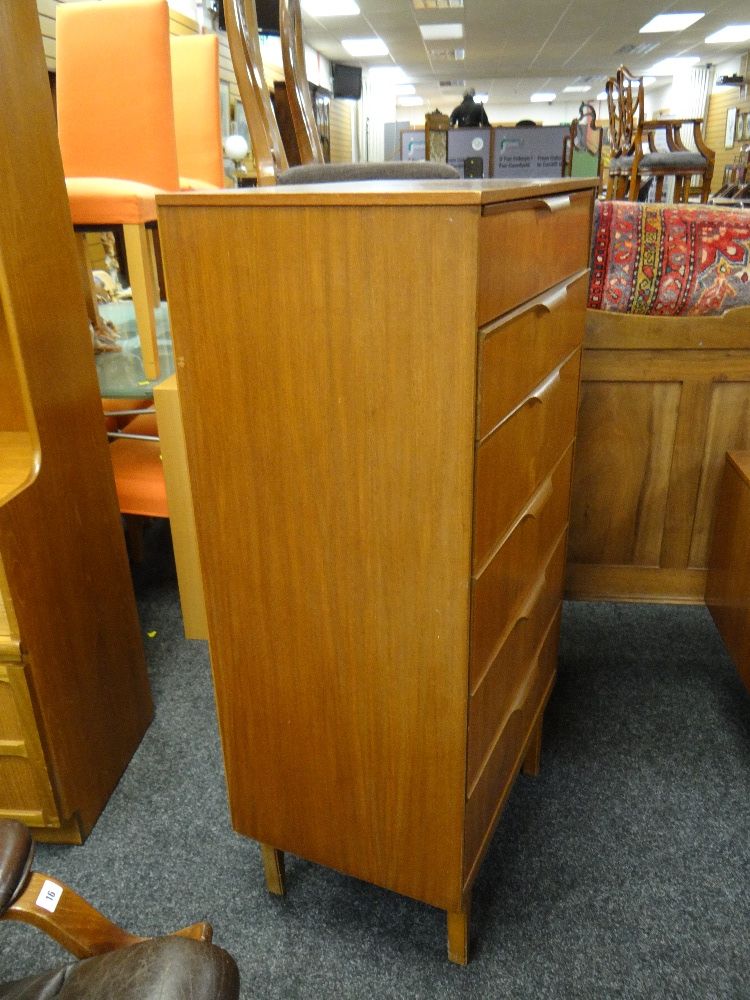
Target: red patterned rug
(669, 260)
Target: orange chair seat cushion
(144, 423)
(113, 421)
(139, 477)
(109, 201)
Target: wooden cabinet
(728, 582)
(74, 696)
(662, 401)
(379, 440)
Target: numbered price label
(49, 895)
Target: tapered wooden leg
(458, 934)
(144, 287)
(532, 761)
(273, 866)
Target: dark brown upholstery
(168, 968)
(164, 968)
(16, 856)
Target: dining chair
(197, 118)
(116, 128)
(636, 155)
(582, 148)
(111, 961)
(268, 149)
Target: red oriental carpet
(669, 260)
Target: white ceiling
(516, 47)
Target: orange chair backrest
(197, 119)
(114, 91)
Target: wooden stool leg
(532, 761)
(273, 866)
(458, 934)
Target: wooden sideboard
(662, 401)
(379, 399)
(74, 694)
(728, 583)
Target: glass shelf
(120, 373)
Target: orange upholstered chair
(197, 118)
(117, 132)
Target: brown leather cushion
(16, 855)
(167, 968)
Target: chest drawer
(509, 668)
(506, 583)
(516, 458)
(553, 233)
(516, 353)
(25, 789)
(491, 788)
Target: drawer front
(506, 584)
(518, 352)
(488, 795)
(25, 789)
(499, 685)
(552, 232)
(517, 457)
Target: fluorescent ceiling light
(670, 22)
(405, 89)
(731, 33)
(410, 102)
(363, 47)
(669, 67)
(578, 88)
(330, 8)
(432, 31)
(391, 75)
(648, 80)
(542, 97)
(480, 98)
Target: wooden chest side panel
(328, 403)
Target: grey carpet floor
(622, 871)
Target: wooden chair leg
(53, 907)
(144, 284)
(273, 866)
(532, 761)
(458, 933)
(87, 280)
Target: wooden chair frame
(629, 130)
(297, 87)
(244, 47)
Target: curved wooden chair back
(625, 108)
(297, 87)
(244, 47)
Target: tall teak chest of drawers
(379, 387)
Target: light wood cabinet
(379, 399)
(74, 696)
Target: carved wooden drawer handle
(554, 300)
(544, 388)
(555, 203)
